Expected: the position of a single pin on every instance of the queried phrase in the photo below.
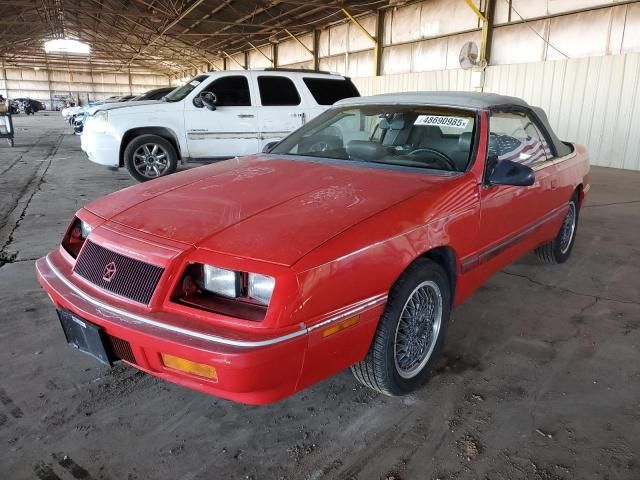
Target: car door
(281, 106)
(229, 130)
(511, 215)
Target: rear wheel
(559, 249)
(150, 156)
(410, 333)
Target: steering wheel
(438, 156)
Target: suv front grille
(118, 274)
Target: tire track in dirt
(31, 187)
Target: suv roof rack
(303, 70)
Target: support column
(316, 49)
(274, 53)
(377, 52)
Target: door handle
(246, 115)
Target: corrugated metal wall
(592, 101)
(83, 86)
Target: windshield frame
(473, 152)
(187, 88)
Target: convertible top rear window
(433, 138)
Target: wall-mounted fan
(470, 57)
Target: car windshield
(181, 92)
(405, 136)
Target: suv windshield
(407, 136)
(181, 92)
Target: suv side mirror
(507, 172)
(206, 99)
(269, 146)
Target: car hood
(119, 105)
(270, 209)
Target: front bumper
(253, 370)
(101, 148)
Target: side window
(327, 91)
(231, 91)
(277, 91)
(513, 136)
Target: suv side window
(277, 91)
(513, 136)
(232, 91)
(327, 91)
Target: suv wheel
(150, 156)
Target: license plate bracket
(86, 337)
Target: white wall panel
(592, 101)
(519, 43)
(357, 40)
(631, 39)
(43, 85)
(360, 64)
(580, 35)
(290, 51)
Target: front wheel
(410, 333)
(150, 156)
(559, 249)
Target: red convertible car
(347, 244)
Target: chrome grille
(118, 274)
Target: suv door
(512, 215)
(281, 107)
(229, 130)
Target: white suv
(216, 115)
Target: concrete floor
(540, 378)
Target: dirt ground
(540, 378)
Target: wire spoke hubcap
(418, 329)
(568, 228)
(150, 160)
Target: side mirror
(507, 172)
(207, 99)
(269, 146)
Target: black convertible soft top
(467, 100)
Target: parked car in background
(215, 115)
(347, 245)
(155, 94)
(28, 105)
(76, 116)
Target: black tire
(380, 370)
(139, 143)
(558, 250)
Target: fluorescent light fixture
(66, 45)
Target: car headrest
(397, 124)
(365, 150)
(464, 141)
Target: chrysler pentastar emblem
(109, 271)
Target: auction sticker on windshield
(442, 121)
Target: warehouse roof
(167, 36)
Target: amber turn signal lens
(187, 366)
(349, 322)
